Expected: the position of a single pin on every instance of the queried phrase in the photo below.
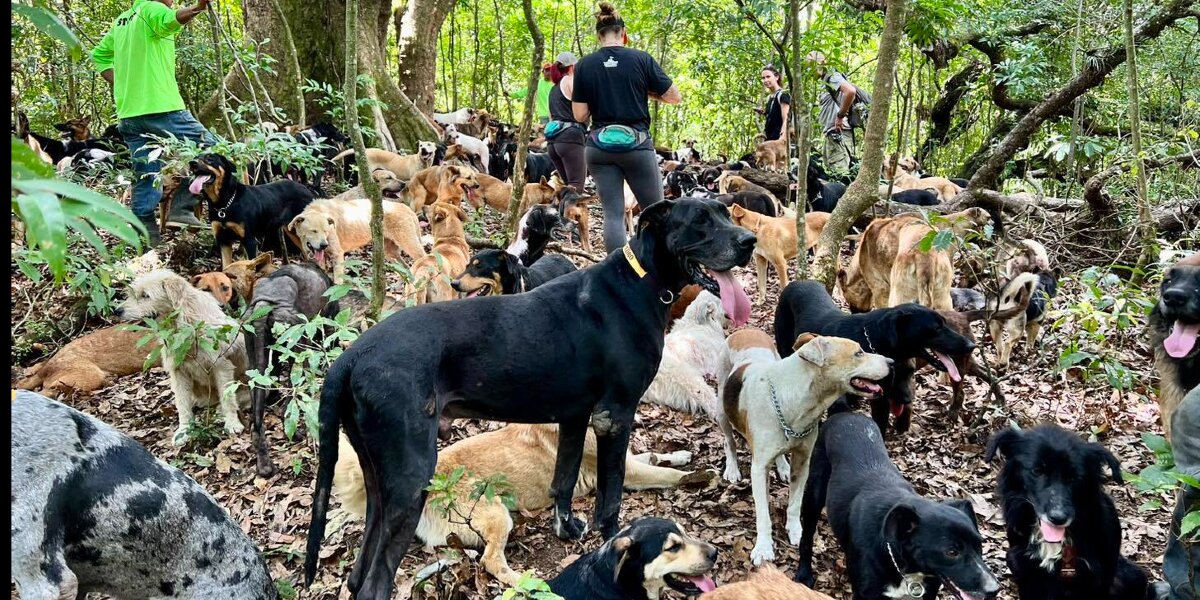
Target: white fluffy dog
(694, 350)
(204, 377)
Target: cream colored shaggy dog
(203, 377)
(693, 352)
(328, 229)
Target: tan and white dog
(328, 229)
(203, 377)
(525, 455)
(402, 166)
(693, 352)
(777, 406)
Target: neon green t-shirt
(140, 49)
(541, 104)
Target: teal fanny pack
(556, 128)
(619, 138)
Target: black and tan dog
(578, 352)
(644, 559)
(250, 215)
(902, 333)
(898, 544)
(1174, 326)
(495, 272)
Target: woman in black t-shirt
(777, 107)
(564, 134)
(612, 88)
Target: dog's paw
(732, 475)
(805, 576)
(675, 459)
(180, 438)
(795, 531)
(234, 428)
(762, 552)
(568, 527)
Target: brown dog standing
(447, 259)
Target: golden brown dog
(245, 273)
(447, 183)
(433, 272)
(766, 584)
(492, 192)
(889, 268)
(389, 185)
(903, 180)
(89, 363)
(328, 229)
(777, 242)
(732, 184)
(403, 166)
(217, 284)
(539, 192)
(525, 455)
(771, 155)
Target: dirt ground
(942, 459)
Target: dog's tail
(1019, 290)
(1019, 298)
(335, 388)
(343, 154)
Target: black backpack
(860, 110)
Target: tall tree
(378, 289)
(535, 72)
(1145, 220)
(799, 124)
(864, 190)
(320, 42)
(418, 24)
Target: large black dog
(251, 215)
(1174, 327)
(494, 271)
(1064, 533)
(580, 351)
(901, 333)
(897, 543)
(637, 564)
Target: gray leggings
(612, 170)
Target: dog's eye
(859, 353)
(952, 553)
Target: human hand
(202, 5)
(760, 110)
(840, 124)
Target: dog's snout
(1175, 297)
(457, 285)
(746, 239)
(1058, 516)
(710, 551)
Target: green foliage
(332, 101)
(286, 589)
(83, 276)
(1107, 311)
(178, 339)
(48, 23)
(444, 493)
(1161, 480)
(50, 207)
(529, 587)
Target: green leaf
(48, 23)
(26, 164)
(45, 227)
(1189, 526)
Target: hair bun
(607, 11)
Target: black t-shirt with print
(774, 111)
(614, 82)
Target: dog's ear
(803, 339)
(815, 350)
(296, 221)
(458, 211)
(737, 210)
(621, 547)
(1098, 457)
(195, 280)
(1003, 442)
(965, 507)
(263, 260)
(900, 523)
(230, 168)
(655, 214)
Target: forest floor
(941, 459)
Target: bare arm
(783, 112)
(107, 74)
(187, 13)
(849, 93)
(671, 96)
(567, 86)
(581, 111)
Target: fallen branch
(1102, 204)
(569, 251)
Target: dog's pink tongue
(951, 368)
(705, 583)
(733, 298)
(319, 257)
(198, 184)
(1052, 533)
(1182, 339)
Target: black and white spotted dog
(93, 511)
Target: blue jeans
(147, 192)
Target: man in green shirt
(137, 58)
(541, 104)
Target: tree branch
(1102, 205)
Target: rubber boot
(183, 214)
(150, 222)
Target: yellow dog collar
(633, 261)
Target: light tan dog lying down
(766, 584)
(525, 454)
(328, 229)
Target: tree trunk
(535, 71)
(799, 118)
(1100, 64)
(320, 42)
(370, 187)
(1146, 229)
(417, 42)
(864, 191)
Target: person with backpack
(842, 107)
(778, 104)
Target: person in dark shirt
(612, 88)
(564, 135)
(778, 104)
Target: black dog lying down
(1064, 533)
(292, 293)
(251, 215)
(93, 511)
(897, 543)
(580, 351)
(498, 272)
(901, 333)
(643, 559)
